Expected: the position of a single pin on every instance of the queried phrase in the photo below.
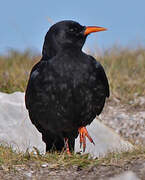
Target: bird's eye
(71, 29)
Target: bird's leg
(67, 146)
(83, 134)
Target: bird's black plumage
(67, 88)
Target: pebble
(44, 165)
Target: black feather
(67, 88)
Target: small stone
(44, 165)
(28, 174)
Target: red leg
(67, 146)
(83, 134)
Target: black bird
(67, 88)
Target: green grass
(9, 158)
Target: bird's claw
(83, 134)
(67, 146)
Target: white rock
(44, 165)
(129, 175)
(17, 130)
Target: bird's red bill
(91, 29)
(83, 134)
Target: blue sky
(25, 23)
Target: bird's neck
(49, 51)
(69, 48)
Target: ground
(102, 171)
(127, 120)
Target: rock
(17, 130)
(129, 175)
(44, 165)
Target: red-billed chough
(67, 88)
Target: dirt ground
(128, 121)
(32, 171)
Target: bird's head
(66, 34)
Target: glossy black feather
(67, 88)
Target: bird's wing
(29, 91)
(100, 73)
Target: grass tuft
(9, 159)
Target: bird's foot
(83, 134)
(67, 146)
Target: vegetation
(14, 70)
(125, 69)
(9, 158)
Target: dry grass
(125, 69)
(9, 158)
(14, 70)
